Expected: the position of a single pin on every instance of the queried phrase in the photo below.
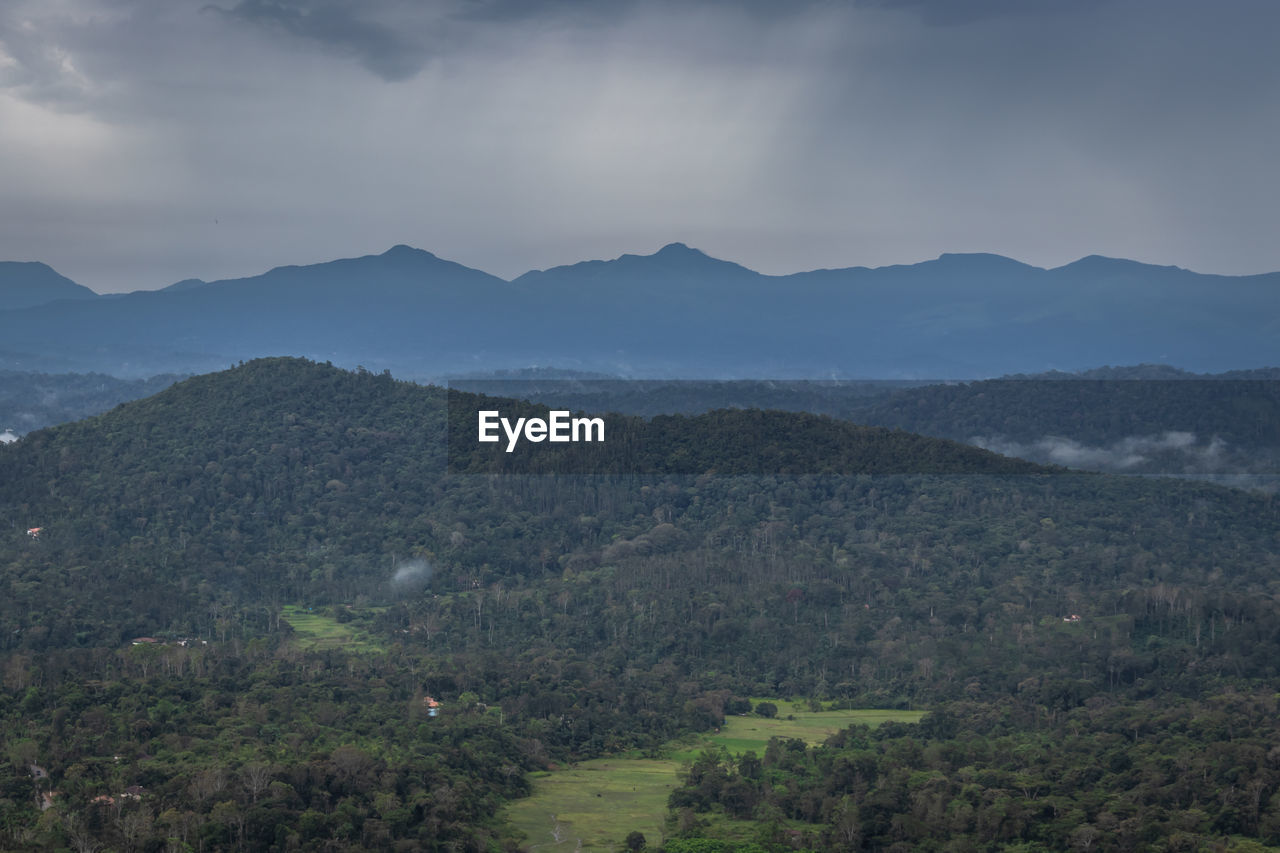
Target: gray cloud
(512, 135)
(38, 67)
(344, 28)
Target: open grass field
(596, 803)
(593, 805)
(316, 631)
(740, 734)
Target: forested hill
(225, 486)
(285, 481)
(593, 613)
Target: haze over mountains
(675, 313)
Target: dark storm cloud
(512, 134)
(347, 29)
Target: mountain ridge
(675, 313)
(669, 250)
(27, 283)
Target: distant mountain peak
(980, 259)
(400, 257)
(400, 250)
(674, 258)
(27, 283)
(1102, 262)
(683, 255)
(680, 252)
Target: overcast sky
(145, 141)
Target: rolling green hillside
(560, 617)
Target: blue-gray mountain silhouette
(677, 312)
(23, 284)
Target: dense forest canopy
(146, 644)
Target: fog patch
(411, 576)
(1172, 452)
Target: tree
(79, 834)
(257, 776)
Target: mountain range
(675, 313)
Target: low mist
(1172, 452)
(411, 576)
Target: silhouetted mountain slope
(675, 263)
(393, 304)
(185, 284)
(23, 285)
(677, 312)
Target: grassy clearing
(740, 734)
(315, 631)
(596, 803)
